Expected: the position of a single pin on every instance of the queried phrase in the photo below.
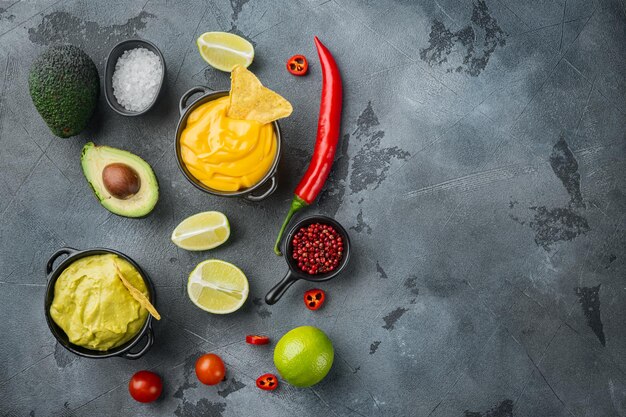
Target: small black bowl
(295, 273)
(114, 55)
(123, 350)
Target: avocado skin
(64, 86)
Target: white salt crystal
(136, 78)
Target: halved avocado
(123, 182)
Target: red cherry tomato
(313, 299)
(257, 339)
(297, 65)
(267, 382)
(210, 369)
(145, 386)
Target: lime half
(202, 231)
(224, 51)
(217, 286)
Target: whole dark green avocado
(64, 85)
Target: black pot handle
(55, 255)
(182, 105)
(270, 190)
(279, 289)
(149, 341)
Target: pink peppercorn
(317, 248)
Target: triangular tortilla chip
(137, 295)
(249, 100)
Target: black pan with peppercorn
(317, 248)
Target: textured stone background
(481, 174)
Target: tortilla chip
(249, 100)
(138, 295)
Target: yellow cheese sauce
(92, 305)
(226, 154)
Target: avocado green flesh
(64, 86)
(95, 158)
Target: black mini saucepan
(186, 107)
(124, 350)
(294, 272)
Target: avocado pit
(121, 180)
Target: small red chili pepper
(313, 299)
(297, 65)
(267, 382)
(328, 126)
(255, 339)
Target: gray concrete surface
(481, 174)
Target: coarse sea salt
(137, 78)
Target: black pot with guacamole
(89, 309)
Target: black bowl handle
(143, 350)
(279, 289)
(273, 185)
(55, 255)
(182, 105)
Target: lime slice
(217, 287)
(224, 51)
(202, 231)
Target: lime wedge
(202, 231)
(217, 287)
(224, 51)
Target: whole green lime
(303, 356)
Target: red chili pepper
(313, 299)
(297, 65)
(267, 382)
(328, 126)
(255, 339)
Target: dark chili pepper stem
(297, 204)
